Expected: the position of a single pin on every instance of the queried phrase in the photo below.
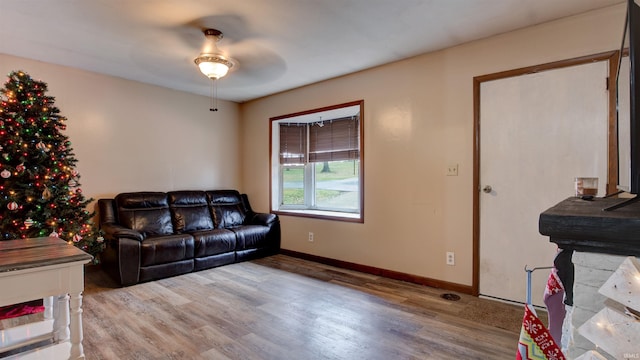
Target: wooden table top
(36, 252)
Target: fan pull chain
(214, 96)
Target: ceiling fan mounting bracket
(215, 33)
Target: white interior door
(538, 132)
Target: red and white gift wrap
(536, 343)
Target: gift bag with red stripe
(536, 343)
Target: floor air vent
(450, 297)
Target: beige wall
(418, 119)
(129, 136)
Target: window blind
(293, 144)
(329, 140)
(335, 140)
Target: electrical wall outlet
(451, 258)
(310, 236)
(452, 170)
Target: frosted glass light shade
(213, 66)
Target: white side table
(50, 269)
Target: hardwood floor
(283, 307)
(287, 308)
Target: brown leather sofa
(153, 235)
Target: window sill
(322, 214)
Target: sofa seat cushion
(213, 242)
(165, 249)
(251, 236)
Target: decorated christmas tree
(40, 192)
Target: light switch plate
(452, 170)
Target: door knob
(487, 189)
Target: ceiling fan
(246, 52)
(171, 50)
(212, 62)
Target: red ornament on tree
(12, 206)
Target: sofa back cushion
(145, 212)
(227, 207)
(190, 211)
(106, 212)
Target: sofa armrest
(255, 218)
(128, 261)
(114, 231)
(263, 219)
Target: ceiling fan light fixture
(212, 63)
(213, 66)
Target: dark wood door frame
(612, 179)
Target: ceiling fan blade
(256, 64)
(168, 50)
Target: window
(316, 162)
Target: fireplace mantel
(583, 225)
(594, 243)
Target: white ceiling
(279, 44)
